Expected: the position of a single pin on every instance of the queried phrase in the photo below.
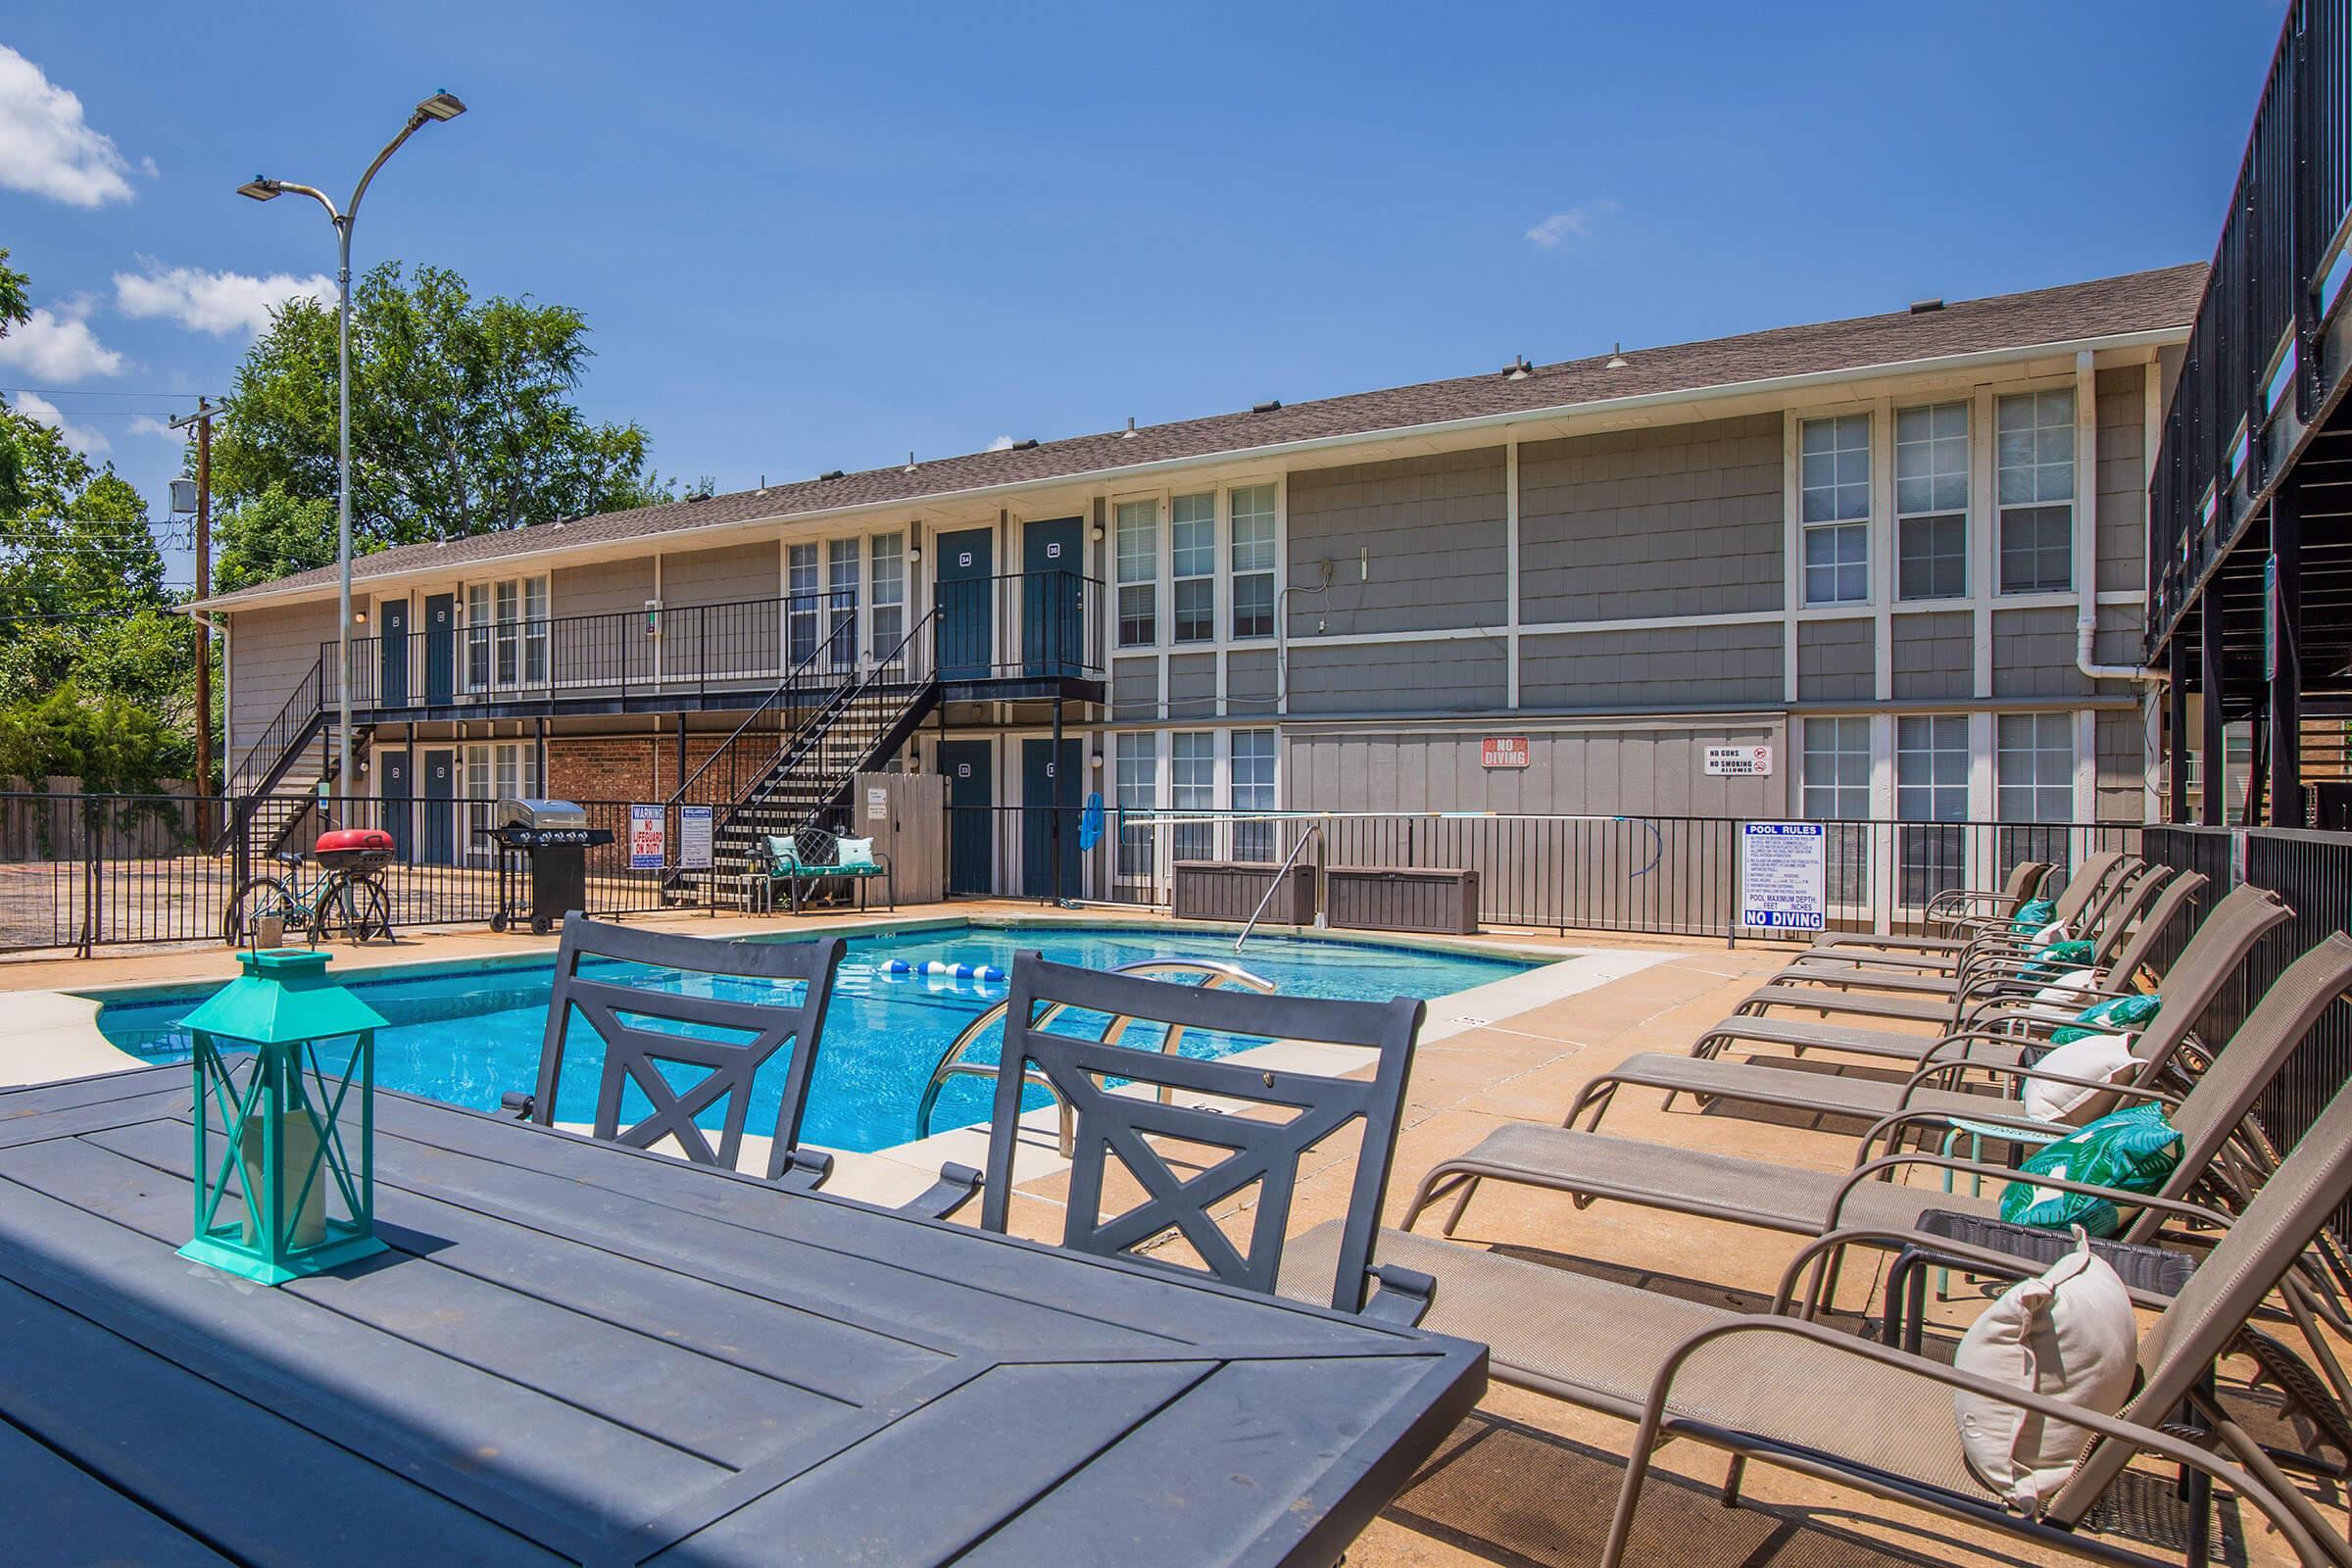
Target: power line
(101, 392)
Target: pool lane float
(985, 973)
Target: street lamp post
(440, 106)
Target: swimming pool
(468, 1036)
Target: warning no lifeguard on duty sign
(1784, 875)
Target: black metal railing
(1019, 625)
(685, 651)
(265, 758)
(2285, 216)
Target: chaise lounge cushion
(2069, 1335)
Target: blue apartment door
(440, 836)
(440, 649)
(970, 774)
(392, 691)
(966, 609)
(393, 783)
(1053, 555)
(1049, 782)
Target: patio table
(576, 1353)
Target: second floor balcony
(1012, 636)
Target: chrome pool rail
(1314, 831)
(1213, 973)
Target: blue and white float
(940, 970)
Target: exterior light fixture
(284, 1188)
(260, 189)
(914, 550)
(443, 104)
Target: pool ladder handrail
(1314, 832)
(1214, 973)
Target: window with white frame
(495, 770)
(1138, 574)
(1254, 791)
(506, 633)
(801, 604)
(2033, 781)
(1254, 561)
(1931, 502)
(1136, 778)
(1192, 538)
(1192, 786)
(1836, 788)
(889, 553)
(2034, 455)
(841, 609)
(1833, 484)
(1931, 786)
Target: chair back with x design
(618, 1010)
(1211, 1103)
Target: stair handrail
(305, 697)
(1215, 975)
(1314, 831)
(792, 683)
(850, 703)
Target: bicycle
(343, 897)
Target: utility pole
(202, 419)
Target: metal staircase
(273, 789)
(770, 777)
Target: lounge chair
(1794, 1393)
(1962, 914)
(1212, 1109)
(634, 1057)
(1759, 1193)
(2003, 1005)
(2214, 955)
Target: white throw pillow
(2069, 990)
(2106, 1058)
(2066, 1336)
(2055, 931)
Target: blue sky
(812, 238)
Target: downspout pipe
(2086, 531)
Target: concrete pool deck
(1526, 1480)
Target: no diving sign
(1784, 875)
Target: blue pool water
(470, 1036)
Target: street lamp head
(442, 106)
(260, 189)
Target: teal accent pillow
(2056, 960)
(2132, 1150)
(783, 852)
(2115, 1015)
(2033, 915)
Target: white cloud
(48, 149)
(218, 303)
(1002, 443)
(149, 425)
(34, 406)
(56, 348)
(1572, 223)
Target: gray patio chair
(1988, 961)
(1211, 1108)
(2214, 957)
(1792, 1392)
(1767, 1195)
(2003, 995)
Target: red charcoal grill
(354, 849)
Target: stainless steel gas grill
(554, 838)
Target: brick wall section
(623, 768)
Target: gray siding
(1935, 656)
(1652, 667)
(2123, 498)
(1192, 685)
(2118, 638)
(2120, 739)
(1602, 768)
(1435, 530)
(725, 576)
(1135, 688)
(2034, 654)
(271, 652)
(1251, 681)
(1416, 677)
(1835, 661)
(1684, 521)
(608, 587)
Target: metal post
(1054, 820)
(2283, 648)
(343, 494)
(2213, 752)
(204, 585)
(2177, 741)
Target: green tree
(15, 311)
(462, 423)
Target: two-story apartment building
(1903, 552)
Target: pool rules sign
(1784, 876)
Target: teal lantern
(281, 1191)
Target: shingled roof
(2137, 302)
